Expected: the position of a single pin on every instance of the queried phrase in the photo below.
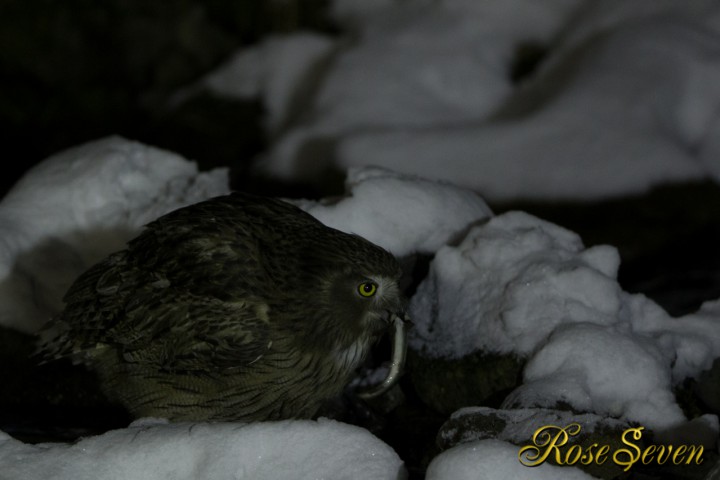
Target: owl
(236, 308)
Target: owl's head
(356, 298)
(364, 299)
(358, 282)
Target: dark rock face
(518, 427)
(445, 385)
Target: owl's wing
(193, 334)
(189, 291)
(147, 319)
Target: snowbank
(493, 460)
(273, 451)
(636, 107)
(403, 214)
(74, 208)
(508, 285)
(281, 70)
(519, 285)
(626, 100)
(418, 65)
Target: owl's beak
(393, 315)
(399, 322)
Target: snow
(520, 285)
(627, 98)
(415, 65)
(494, 460)
(76, 207)
(636, 108)
(594, 17)
(351, 13)
(280, 70)
(508, 285)
(596, 369)
(695, 337)
(405, 215)
(300, 449)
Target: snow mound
(508, 285)
(403, 214)
(280, 70)
(636, 107)
(596, 369)
(521, 286)
(692, 340)
(592, 18)
(494, 460)
(77, 206)
(417, 65)
(277, 451)
(626, 99)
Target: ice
(493, 460)
(76, 207)
(274, 451)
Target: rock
(480, 378)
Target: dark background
(74, 71)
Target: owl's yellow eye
(367, 289)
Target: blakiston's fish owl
(239, 307)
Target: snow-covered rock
(629, 109)
(281, 70)
(592, 18)
(521, 286)
(273, 451)
(404, 214)
(511, 284)
(518, 426)
(626, 100)
(602, 370)
(494, 460)
(79, 205)
(508, 285)
(427, 66)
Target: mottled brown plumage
(239, 307)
